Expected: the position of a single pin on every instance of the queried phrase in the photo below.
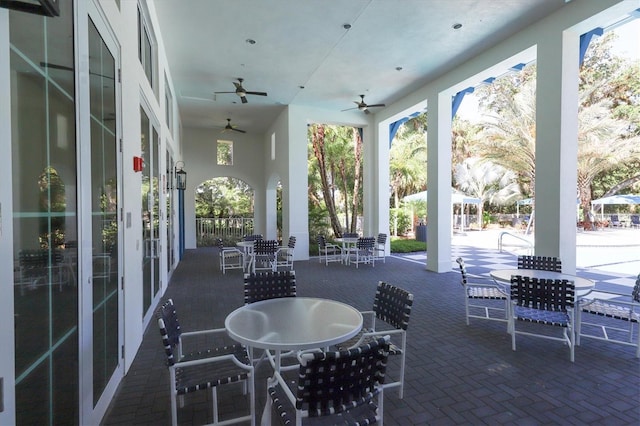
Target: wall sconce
(181, 175)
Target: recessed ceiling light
(250, 41)
(347, 26)
(457, 26)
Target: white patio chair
(611, 309)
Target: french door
(151, 176)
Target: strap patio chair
(204, 369)
(542, 263)
(230, 257)
(634, 221)
(263, 257)
(489, 291)
(267, 285)
(389, 316)
(611, 309)
(545, 302)
(284, 255)
(363, 252)
(615, 221)
(343, 387)
(330, 252)
(380, 247)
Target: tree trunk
(357, 180)
(319, 152)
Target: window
(168, 104)
(145, 47)
(224, 154)
(273, 146)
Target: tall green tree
(335, 168)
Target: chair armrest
(613, 293)
(222, 331)
(502, 288)
(232, 250)
(369, 316)
(630, 304)
(210, 360)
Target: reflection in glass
(43, 150)
(104, 207)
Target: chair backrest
(253, 237)
(322, 241)
(635, 219)
(265, 247)
(635, 293)
(220, 244)
(382, 239)
(364, 243)
(542, 263)
(292, 242)
(169, 329)
(333, 382)
(393, 305)
(463, 271)
(269, 285)
(350, 235)
(543, 294)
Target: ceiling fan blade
(244, 99)
(238, 85)
(257, 93)
(218, 93)
(348, 109)
(238, 130)
(375, 105)
(366, 111)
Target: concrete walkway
(612, 251)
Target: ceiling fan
(240, 91)
(230, 127)
(362, 106)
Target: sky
(628, 42)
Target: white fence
(227, 228)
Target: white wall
(200, 165)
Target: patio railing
(228, 228)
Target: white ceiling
(304, 43)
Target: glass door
(45, 224)
(150, 144)
(105, 229)
(169, 212)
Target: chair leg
(381, 406)
(402, 362)
(266, 413)
(174, 409)
(214, 402)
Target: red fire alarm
(138, 164)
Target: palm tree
(487, 181)
(509, 136)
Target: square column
(557, 147)
(439, 182)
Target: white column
(556, 147)
(439, 182)
(381, 190)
